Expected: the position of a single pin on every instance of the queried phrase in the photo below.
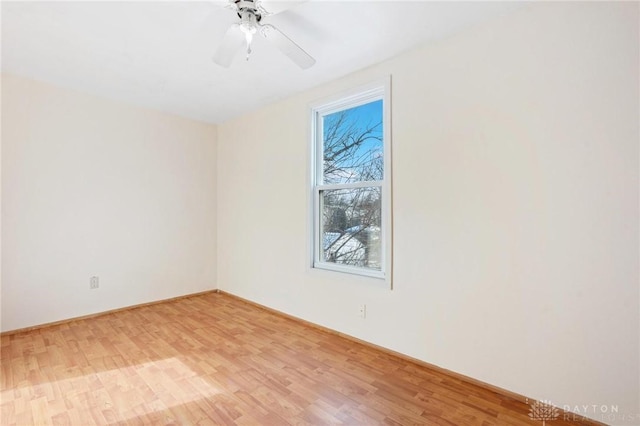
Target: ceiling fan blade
(231, 44)
(287, 46)
(273, 7)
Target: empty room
(320, 212)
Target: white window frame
(378, 90)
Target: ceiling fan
(251, 13)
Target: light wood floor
(214, 359)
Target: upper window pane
(352, 144)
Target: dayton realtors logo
(543, 411)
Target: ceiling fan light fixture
(248, 26)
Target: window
(351, 191)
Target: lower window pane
(350, 227)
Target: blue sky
(366, 115)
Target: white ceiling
(158, 54)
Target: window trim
(376, 90)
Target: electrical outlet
(94, 282)
(362, 312)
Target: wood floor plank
(213, 359)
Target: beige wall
(515, 155)
(95, 187)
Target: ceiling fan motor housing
(246, 7)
